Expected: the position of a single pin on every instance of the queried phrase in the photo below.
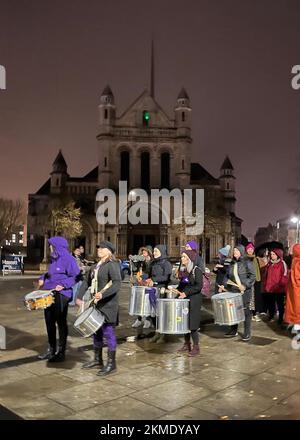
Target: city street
(229, 380)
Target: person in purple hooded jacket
(60, 278)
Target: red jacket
(276, 275)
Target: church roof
(141, 97)
(60, 160)
(45, 189)
(227, 165)
(107, 91)
(200, 175)
(183, 94)
(92, 176)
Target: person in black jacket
(159, 276)
(190, 286)
(241, 272)
(220, 268)
(107, 270)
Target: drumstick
(103, 290)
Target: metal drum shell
(139, 304)
(172, 316)
(228, 308)
(89, 322)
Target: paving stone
(171, 395)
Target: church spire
(152, 90)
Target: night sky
(234, 58)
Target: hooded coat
(161, 268)
(276, 275)
(292, 308)
(63, 268)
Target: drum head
(38, 294)
(225, 295)
(83, 316)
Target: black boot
(59, 356)
(48, 354)
(97, 362)
(110, 366)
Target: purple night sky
(234, 58)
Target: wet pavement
(229, 380)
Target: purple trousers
(106, 331)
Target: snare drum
(89, 322)
(228, 308)
(140, 301)
(39, 299)
(173, 316)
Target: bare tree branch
(12, 215)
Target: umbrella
(270, 245)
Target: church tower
(183, 113)
(227, 181)
(59, 174)
(107, 117)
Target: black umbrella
(270, 245)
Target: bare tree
(12, 215)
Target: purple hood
(63, 268)
(60, 247)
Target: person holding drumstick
(60, 278)
(190, 284)
(240, 277)
(103, 274)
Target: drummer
(140, 280)
(159, 276)
(60, 278)
(105, 271)
(240, 277)
(191, 279)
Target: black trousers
(248, 315)
(57, 314)
(260, 306)
(273, 299)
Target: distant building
(283, 231)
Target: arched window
(145, 170)
(165, 170)
(183, 116)
(105, 161)
(125, 160)
(182, 164)
(105, 113)
(228, 185)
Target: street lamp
(296, 221)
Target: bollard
(2, 338)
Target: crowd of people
(267, 286)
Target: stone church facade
(148, 150)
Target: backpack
(206, 282)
